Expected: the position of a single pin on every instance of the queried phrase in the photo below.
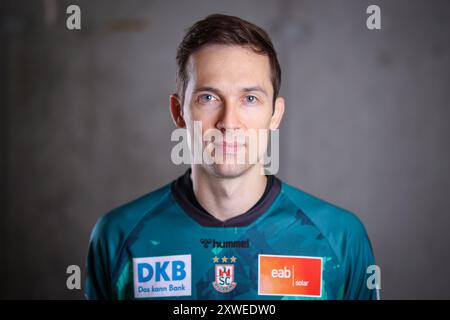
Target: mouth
(232, 148)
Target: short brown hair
(224, 29)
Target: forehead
(227, 65)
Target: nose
(229, 118)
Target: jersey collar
(183, 194)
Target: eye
(205, 98)
(250, 99)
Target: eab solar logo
(165, 276)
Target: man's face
(230, 90)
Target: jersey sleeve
(359, 258)
(98, 279)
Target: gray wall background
(85, 125)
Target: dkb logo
(162, 276)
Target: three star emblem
(224, 259)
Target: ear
(176, 110)
(277, 114)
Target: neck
(225, 198)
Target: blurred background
(85, 125)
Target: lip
(229, 147)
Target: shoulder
(114, 226)
(110, 235)
(343, 229)
(326, 214)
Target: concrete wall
(85, 125)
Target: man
(223, 230)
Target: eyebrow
(245, 89)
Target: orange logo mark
(290, 275)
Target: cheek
(257, 120)
(194, 114)
(207, 122)
(260, 110)
(197, 119)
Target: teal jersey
(290, 245)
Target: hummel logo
(225, 244)
(205, 242)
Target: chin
(229, 170)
